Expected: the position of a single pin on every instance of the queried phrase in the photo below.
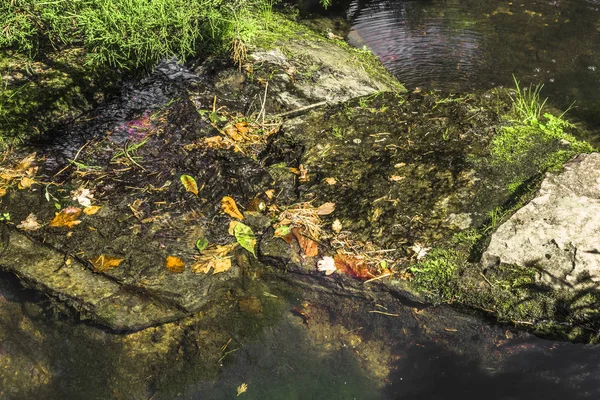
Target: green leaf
(201, 244)
(283, 230)
(245, 237)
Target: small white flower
(327, 265)
(420, 251)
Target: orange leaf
(242, 127)
(232, 132)
(2, 192)
(66, 218)
(105, 263)
(230, 208)
(308, 246)
(175, 264)
(351, 266)
(189, 184)
(91, 210)
(26, 183)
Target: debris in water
(175, 264)
(105, 263)
(67, 218)
(242, 388)
(308, 246)
(189, 184)
(30, 223)
(83, 196)
(327, 265)
(230, 208)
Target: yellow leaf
(66, 218)
(330, 181)
(326, 208)
(2, 192)
(396, 178)
(91, 210)
(270, 193)
(230, 208)
(26, 183)
(105, 263)
(175, 264)
(25, 162)
(231, 229)
(189, 184)
(242, 127)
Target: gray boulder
(558, 232)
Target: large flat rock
(558, 232)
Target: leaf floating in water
(245, 237)
(83, 196)
(105, 263)
(242, 388)
(175, 264)
(30, 223)
(91, 210)
(67, 218)
(189, 184)
(330, 181)
(217, 265)
(308, 246)
(201, 244)
(326, 208)
(230, 208)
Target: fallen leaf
(326, 208)
(201, 244)
(245, 237)
(26, 162)
(330, 181)
(175, 264)
(26, 183)
(230, 208)
(336, 226)
(327, 265)
(2, 192)
(233, 133)
(352, 266)
(189, 184)
(308, 246)
(66, 218)
(217, 265)
(91, 210)
(105, 263)
(270, 193)
(83, 196)
(304, 176)
(30, 223)
(396, 178)
(231, 228)
(242, 127)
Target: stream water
(462, 45)
(289, 342)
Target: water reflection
(464, 45)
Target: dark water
(462, 45)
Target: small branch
(301, 110)
(384, 313)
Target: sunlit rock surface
(558, 231)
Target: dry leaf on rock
(352, 266)
(30, 223)
(308, 246)
(230, 208)
(326, 208)
(245, 237)
(217, 265)
(105, 263)
(66, 218)
(91, 210)
(175, 264)
(189, 184)
(242, 127)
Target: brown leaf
(105, 263)
(66, 218)
(175, 264)
(308, 246)
(189, 184)
(217, 265)
(304, 176)
(330, 181)
(2, 192)
(91, 210)
(351, 266)
(326, 208)
(232, 132)
(230, 208)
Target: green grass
(527, 104)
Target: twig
(384, 313)
(262, 108)
(378, 277)
(301, 109)
(74, 159)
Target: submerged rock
(557, 232)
